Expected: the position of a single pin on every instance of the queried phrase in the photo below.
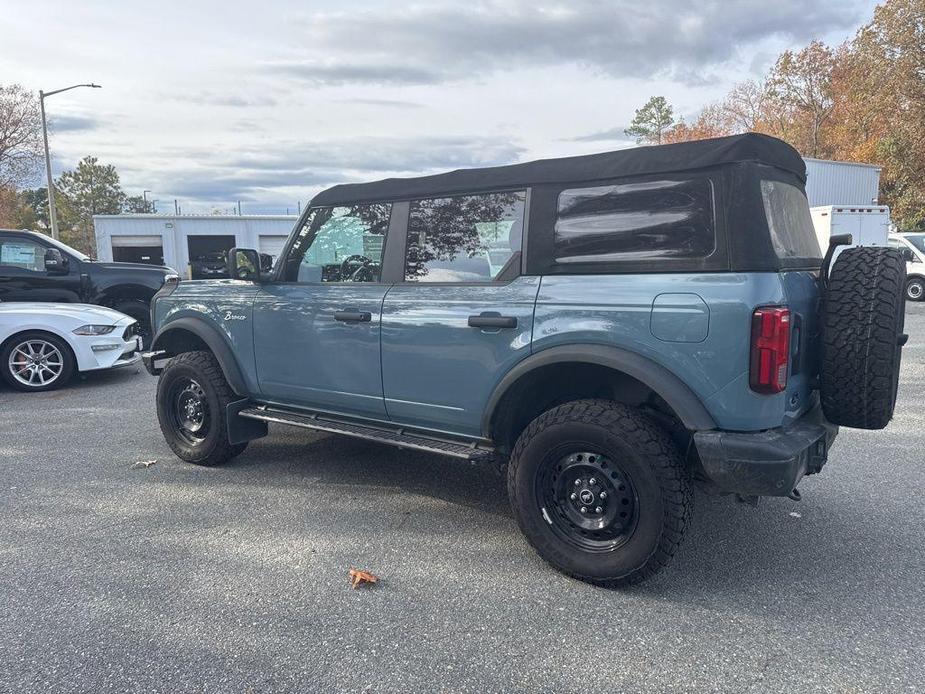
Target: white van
(912, 246)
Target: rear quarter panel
(695, 325)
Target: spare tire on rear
(863, 313)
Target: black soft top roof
(637, 161)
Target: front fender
(175, 333)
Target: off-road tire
(915, 289)
(863, 314)
(653, 464)
(68, 361)
(205, 370)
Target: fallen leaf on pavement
(357, 577)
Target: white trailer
(869, 225)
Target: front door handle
(492, 320)
(353, 316)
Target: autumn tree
(20, 146)
(800, 96)
(881, 110)
(652, 121)
(711, 122)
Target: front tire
(36, 361)
(192, 397)
(141, 312)
(600, 491)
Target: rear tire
(192, 397)
(600, 492)
(862, 337)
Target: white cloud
(212, 101)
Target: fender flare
(685, 403)
(215, 342)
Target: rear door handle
(492, 320)
(353, 316)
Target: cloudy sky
(268, 102)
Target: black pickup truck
(34, 267)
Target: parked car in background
(35, 267)
(912, 248)
(42, 345)
(614, 326)
(209, 266)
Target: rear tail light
(770, 359)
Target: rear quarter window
(633, 221)
(789, 221)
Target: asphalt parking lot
(173, 578)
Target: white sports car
(42, 345)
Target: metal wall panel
(841, 183)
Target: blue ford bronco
(616, 328)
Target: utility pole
(239, 208)
(52, 212)
(144, 195)
(176, 206)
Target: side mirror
(243, 264)
(55, 261)
(266, 262)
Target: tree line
(862, 101)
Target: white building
(841, 183)
(175, 240)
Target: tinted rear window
(636, 221)
(789, 221)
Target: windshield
(917, 241)
(67, 249)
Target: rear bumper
(766, 463)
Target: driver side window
(22, 254)
(339, 244)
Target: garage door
(272, 245)
(136, 241)
(138, 249)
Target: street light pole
(52, 212)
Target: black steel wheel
(192, 398)
(189, 410)
(590, 500)
(600, 491)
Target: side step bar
(402, 437)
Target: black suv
(34, 267)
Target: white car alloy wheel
(915, 289)
(36, 363)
